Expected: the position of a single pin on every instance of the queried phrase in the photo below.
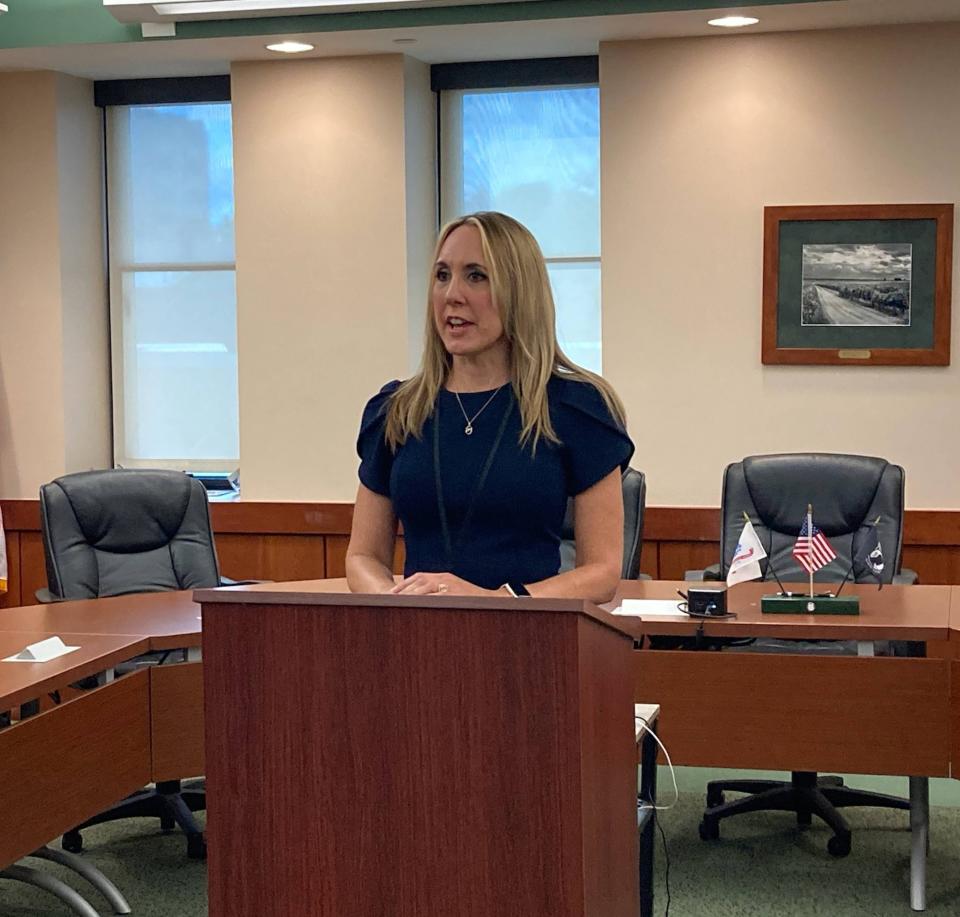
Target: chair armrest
(711, 573)
(906, 577)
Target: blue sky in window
(180, 183)
(535, 154)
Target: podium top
(336, 592)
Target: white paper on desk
(650, 608)
(42, 651)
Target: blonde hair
(521, 291)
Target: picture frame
(857, 284)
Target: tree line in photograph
(890, 298)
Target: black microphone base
(793, 603)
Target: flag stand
(824, 604)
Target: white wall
(53, 370)
(698, 135)
(323, 242)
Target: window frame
(512, 75)
(149, 92)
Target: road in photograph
(835, 310)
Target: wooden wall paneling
(281, 558)
(176, 721)
(800, 712)
(262, 518)
(935, 564)
(676, 557)
(675, 539)
(650, 559)
(33, 569)
(336, 554)
(11, 598)
(94, 751)
(335, 551)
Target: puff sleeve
(376, 459)
(593, 441)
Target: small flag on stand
(3, 558)
(746, 558)
(812, 549)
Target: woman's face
(465, 315)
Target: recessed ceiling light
(290, 47)
(733, 22)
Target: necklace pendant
(468, 429)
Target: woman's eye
(476, 276)
(443, 275)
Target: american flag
(812, 549)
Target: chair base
(806, 795)
(167, 801)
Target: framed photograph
(857, 285)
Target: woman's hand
(439, 584)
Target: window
(172, 290)
(535, 154)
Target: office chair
(124, 531)
(857, 503)
(634, 500)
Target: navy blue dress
(513, 530)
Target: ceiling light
(733, 22)
(3, 7)
(290, 47)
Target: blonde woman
(478, 452)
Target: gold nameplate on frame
(854, 354)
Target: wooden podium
(388, 756)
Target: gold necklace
(468, 429)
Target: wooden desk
(169, 620)
(162, 621)
(893, 613)
(808, 712)
(69, 762)
(803, 711)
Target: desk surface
(171, 620)
(893, 613)
(24, 681)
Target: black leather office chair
(634, 501)
(124, 531)
(857, 503)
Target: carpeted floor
(762, 866)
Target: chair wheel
(72, 842)
(196, 847)
(710, 829)
(838, 846)
(715, 798)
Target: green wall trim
(42, 23)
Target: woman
(479, 451)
